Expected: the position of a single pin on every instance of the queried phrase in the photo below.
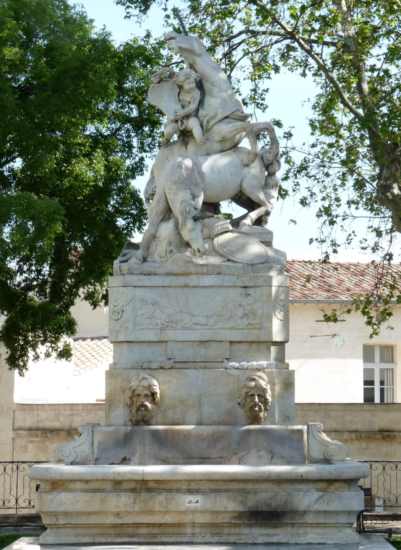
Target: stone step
(367, 542)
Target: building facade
(340, 362)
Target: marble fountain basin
(203, 503)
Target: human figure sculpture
(186, 119)
(206, 164)
(221, 113)
(255, 398)
(144, 398)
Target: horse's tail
(270, 156)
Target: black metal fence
(17, 491)
(384, 483)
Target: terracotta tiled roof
(334, 281)
(91, 353)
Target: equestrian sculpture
(206, 165)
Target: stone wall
(371, 431)
(6, 407)
(39, 429)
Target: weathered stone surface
(262, 233)
(157, 445)
(341, 471)
(152, 445)
(322, 448)
(256, 397)
(199, 336)
(80, 449)
(6, 407)
(366, 542)
(185, 265)
(242, 248)
(181, 504)
(199, 396)
(238, 308)
(143, 399)
(173, 353)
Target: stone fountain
(200, 444)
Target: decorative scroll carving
(80, 450)
(321, 447)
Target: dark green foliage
(75, 131)
(6, 539)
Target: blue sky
(289, 98)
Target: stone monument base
(367, 542)
(201, 504)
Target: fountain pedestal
(200, 341)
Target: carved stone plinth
(229, 303)
(199, 394)
(200, 332)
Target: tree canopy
(351, 168)
(75, 131)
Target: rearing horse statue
(188, 172)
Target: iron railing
(384, 482)
(17, 490)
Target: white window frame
(377, 366)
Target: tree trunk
(389, 188)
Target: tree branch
(228, 52)
(253, 32)
(312, 55)
(352, 46)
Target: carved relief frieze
(179, 309)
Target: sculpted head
(144, 398)
(184, 43)
(186, 78)
(255, 398)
